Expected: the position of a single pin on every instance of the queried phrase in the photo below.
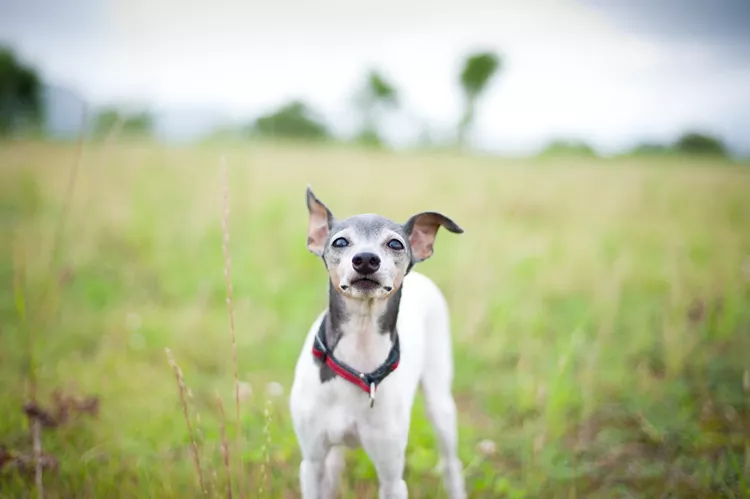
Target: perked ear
(422, 229)
(319, 224)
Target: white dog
(386, 330)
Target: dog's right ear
(422, 229)
(321, 221)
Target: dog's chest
(340, 425)
(364, 351)
(344, 407)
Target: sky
(612, 72)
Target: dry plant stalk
(224, 445)
(114, 131)
(746, 386)
(36, 433)
(56, 241)
(182, 390)
(62, 221)
(36, 427)
(266, 450)
(19, 297)
(228, 276)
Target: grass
(600, 309)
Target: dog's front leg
(386, 451)
(314, 449)
(311, 478)
(311, 437)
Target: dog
(386, 330)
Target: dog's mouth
(365, 284)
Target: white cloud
(568, 70)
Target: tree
(479, 68)
(650, 149)
(20, 93)
(376, 97)
(294, 120)
(104, 121)
(571, 148)
(700, 144)
(138, 123)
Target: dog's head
(367, 256)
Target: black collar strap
(366, 381)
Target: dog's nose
(366, 263)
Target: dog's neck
(360, 319)
(357, 317)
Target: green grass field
(600, 310)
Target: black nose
(366, 263)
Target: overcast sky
(609, 71)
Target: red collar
(366, 381)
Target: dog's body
(383, 322)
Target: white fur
(328, 416)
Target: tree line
(22, 111)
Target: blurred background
(596, 152)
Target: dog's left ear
(320, 223)
(422, 229)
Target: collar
(366, 381)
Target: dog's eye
(340, 243)
(395, 244)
